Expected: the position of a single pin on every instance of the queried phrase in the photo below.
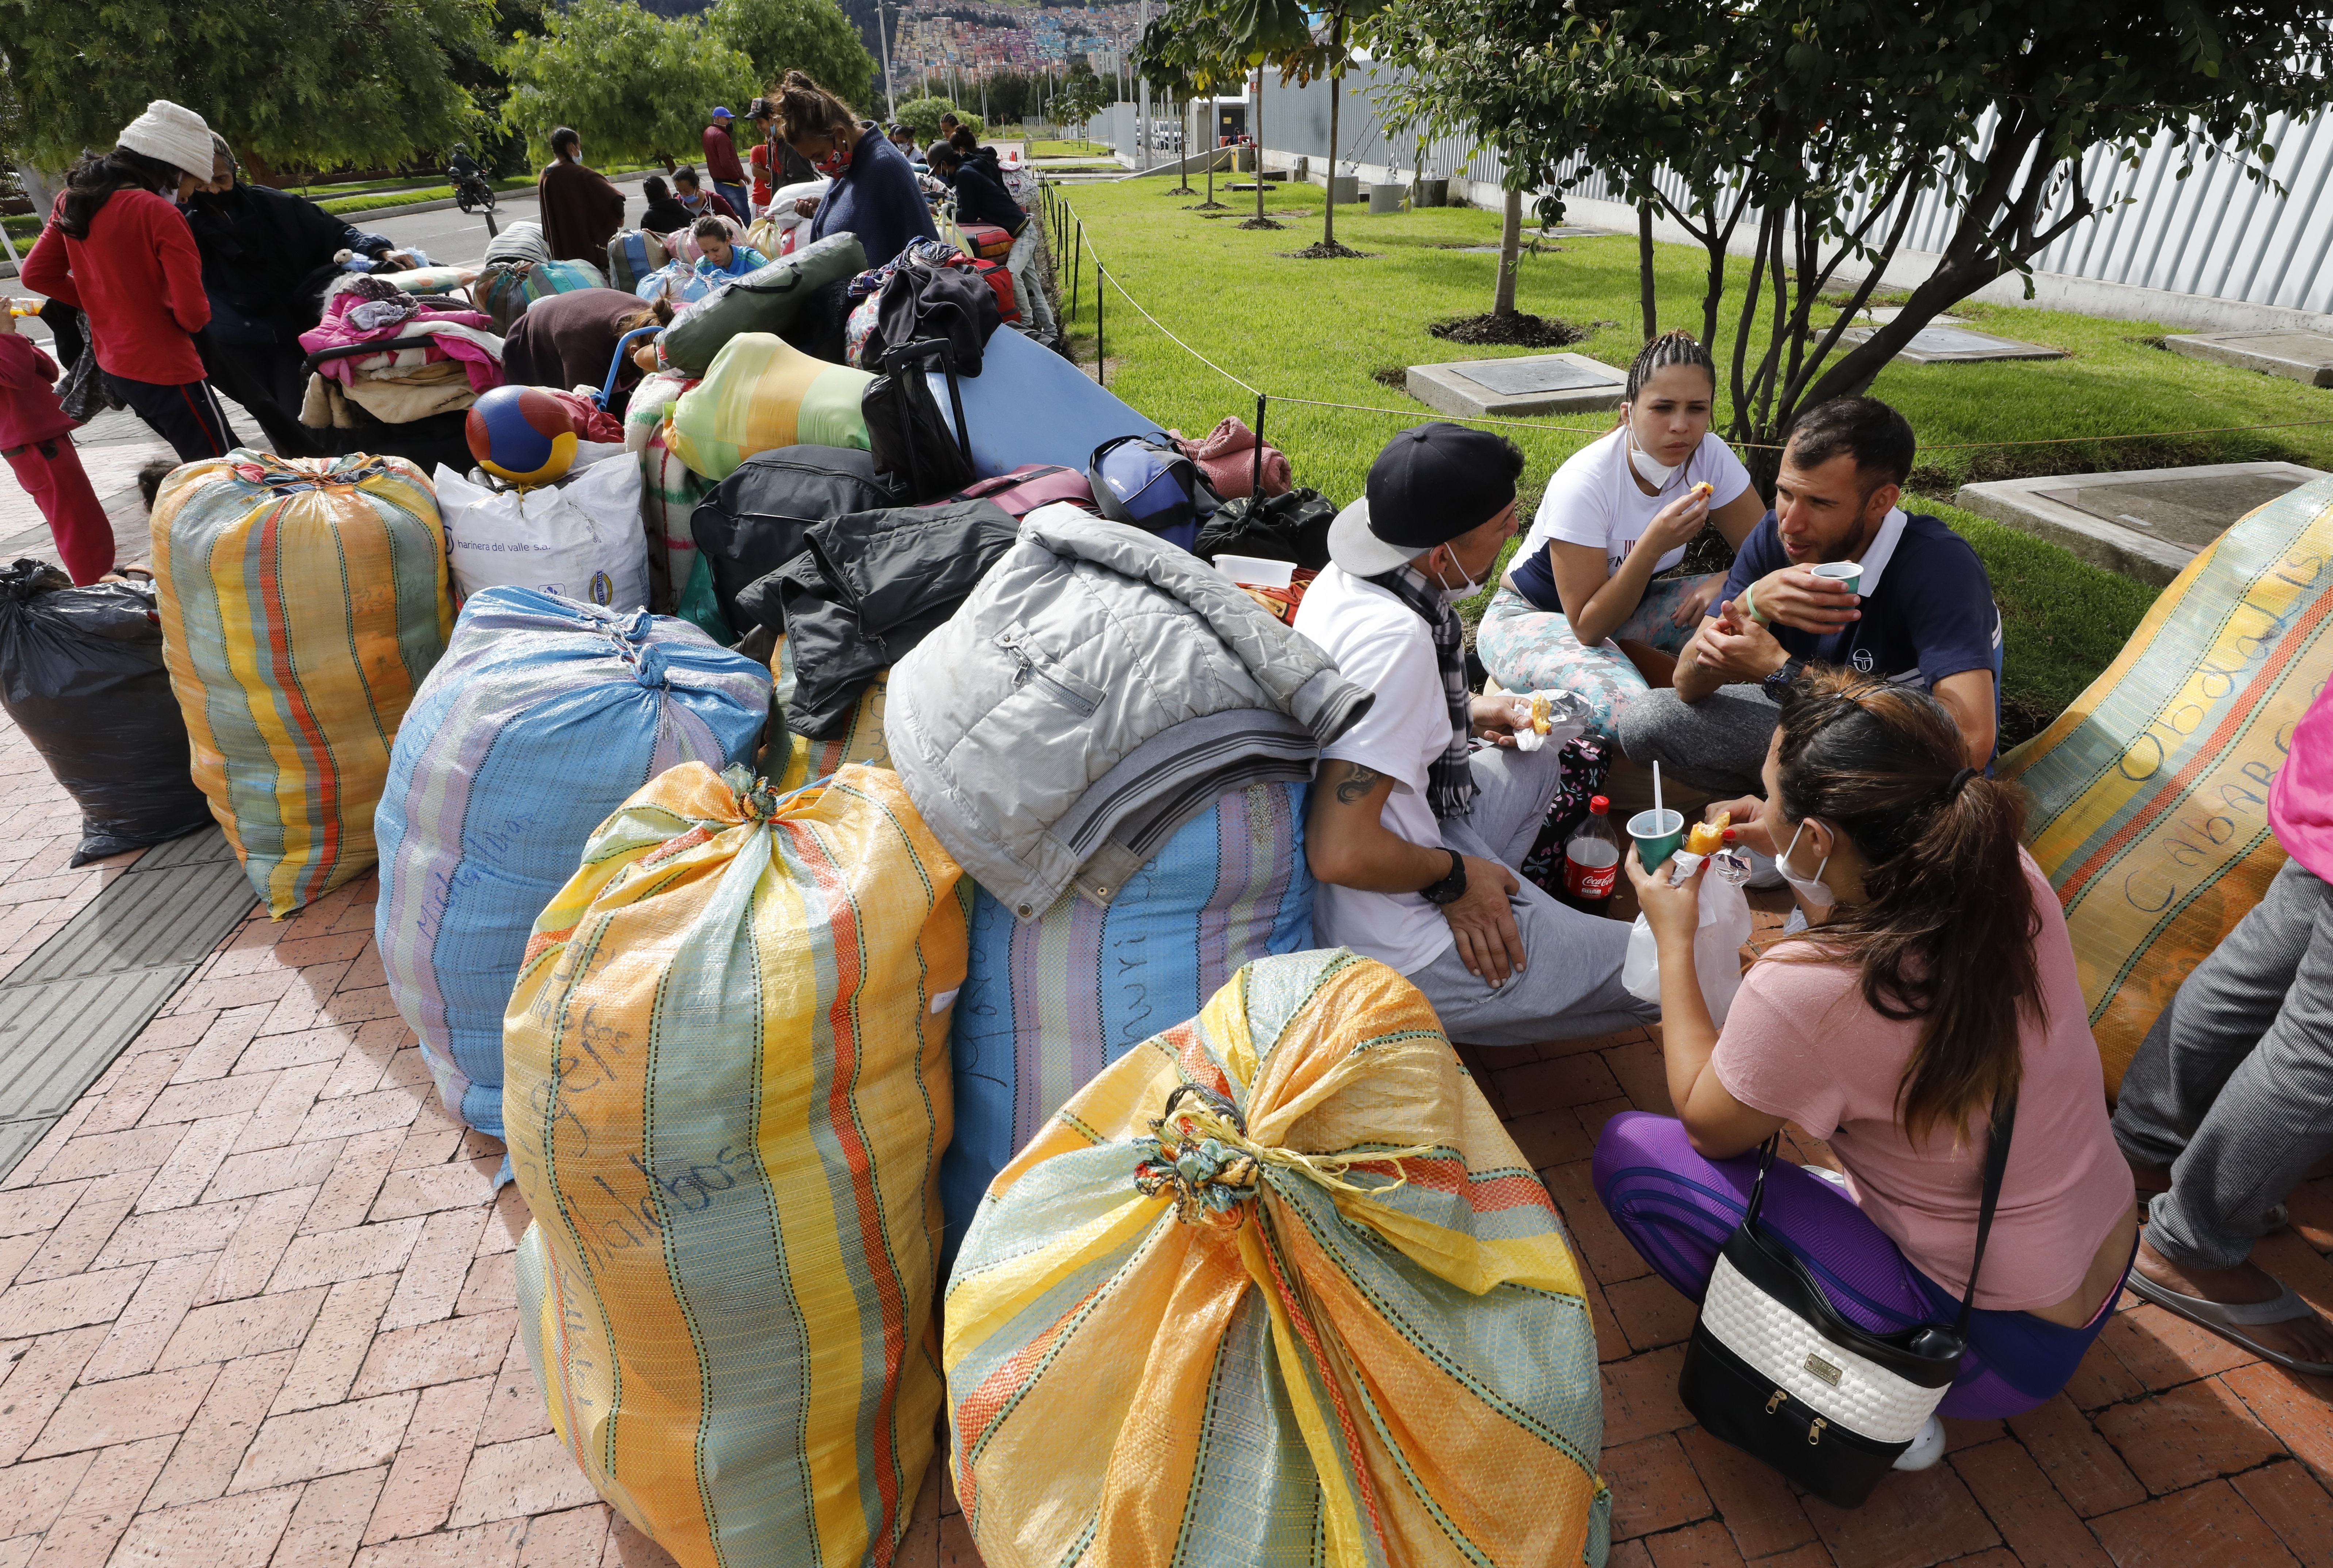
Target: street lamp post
(883, 36)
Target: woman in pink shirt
(1939, 977)
(2229, 1102)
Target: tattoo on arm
(1356, 784)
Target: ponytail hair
(805, 109)
(90, 183)
(1946, 935)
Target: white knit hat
(173, 133)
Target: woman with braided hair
(1580, 609)
(1936, 987)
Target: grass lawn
(1065, 148)
(1327, 330)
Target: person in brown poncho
(581, 211)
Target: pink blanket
(463, 335)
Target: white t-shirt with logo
(1380, 643)
(1594, 498)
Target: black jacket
(666, 216)
(866, 589)
(980, 200)
(267, 254)
(922, 300)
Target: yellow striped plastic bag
(725, 1091)
(807, 760)
(2149, 795)
(1323, 1315)
(760, 393)
(301, 604)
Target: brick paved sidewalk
(258, 1309)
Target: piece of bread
(1540, 719)
(1704, 837)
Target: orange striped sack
(301, 604)
(1276, 1289)
(725, 1092)
(2149, 795)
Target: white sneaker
(1824, 1173)
(1796, 923)
(1926, 1449)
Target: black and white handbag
(1774, 1370)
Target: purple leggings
(1676, 1209)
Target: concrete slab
(2301, 356)
(1935, 345)
(1883, 315)
(1524, 384)
(2147, 523)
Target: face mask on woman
(1814, 889)
(836, 161)
(1649, 468)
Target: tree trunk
(1511, 253)
(1328, 208)
(1645, 269)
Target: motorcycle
(471, 192)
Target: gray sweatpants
(1569, 985)
(2232, 1088)
(1718, 744)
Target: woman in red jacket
(117, 249)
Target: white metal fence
(2214, 236)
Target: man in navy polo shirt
(1924, 613)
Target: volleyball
(522, 434)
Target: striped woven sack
(632, 254)
(542, 718)
(862, 742)
(760, 393)
(1276, 1289)
(1048, 1003)
(302, 603)
(2149, 795)
(727, 1091)
(668, 494)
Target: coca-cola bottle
(1591, 859)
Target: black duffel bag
(80, 672)
(755, 520)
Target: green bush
(922, 116)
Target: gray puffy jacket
(1098, 689)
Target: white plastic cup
(1848, 571)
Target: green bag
(764, 299)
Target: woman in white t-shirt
(1578, 610)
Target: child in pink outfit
(36, 437)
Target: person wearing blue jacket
(873, 195)
(723, 259)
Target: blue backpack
(1140, 480)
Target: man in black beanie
(1414, 837)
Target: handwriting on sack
(2226, 808)
(640, 1195)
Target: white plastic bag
(781, 209)
(1716, 945)
(1567, 713)
(582, 538)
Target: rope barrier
(1084, 244)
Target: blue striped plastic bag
(544, 716)
(1048, 1003)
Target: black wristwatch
(1450, 889)
(1778, 684)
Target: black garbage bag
(1292, 526)
(80, 672)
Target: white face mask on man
(1452, 596)
(1814, 889)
